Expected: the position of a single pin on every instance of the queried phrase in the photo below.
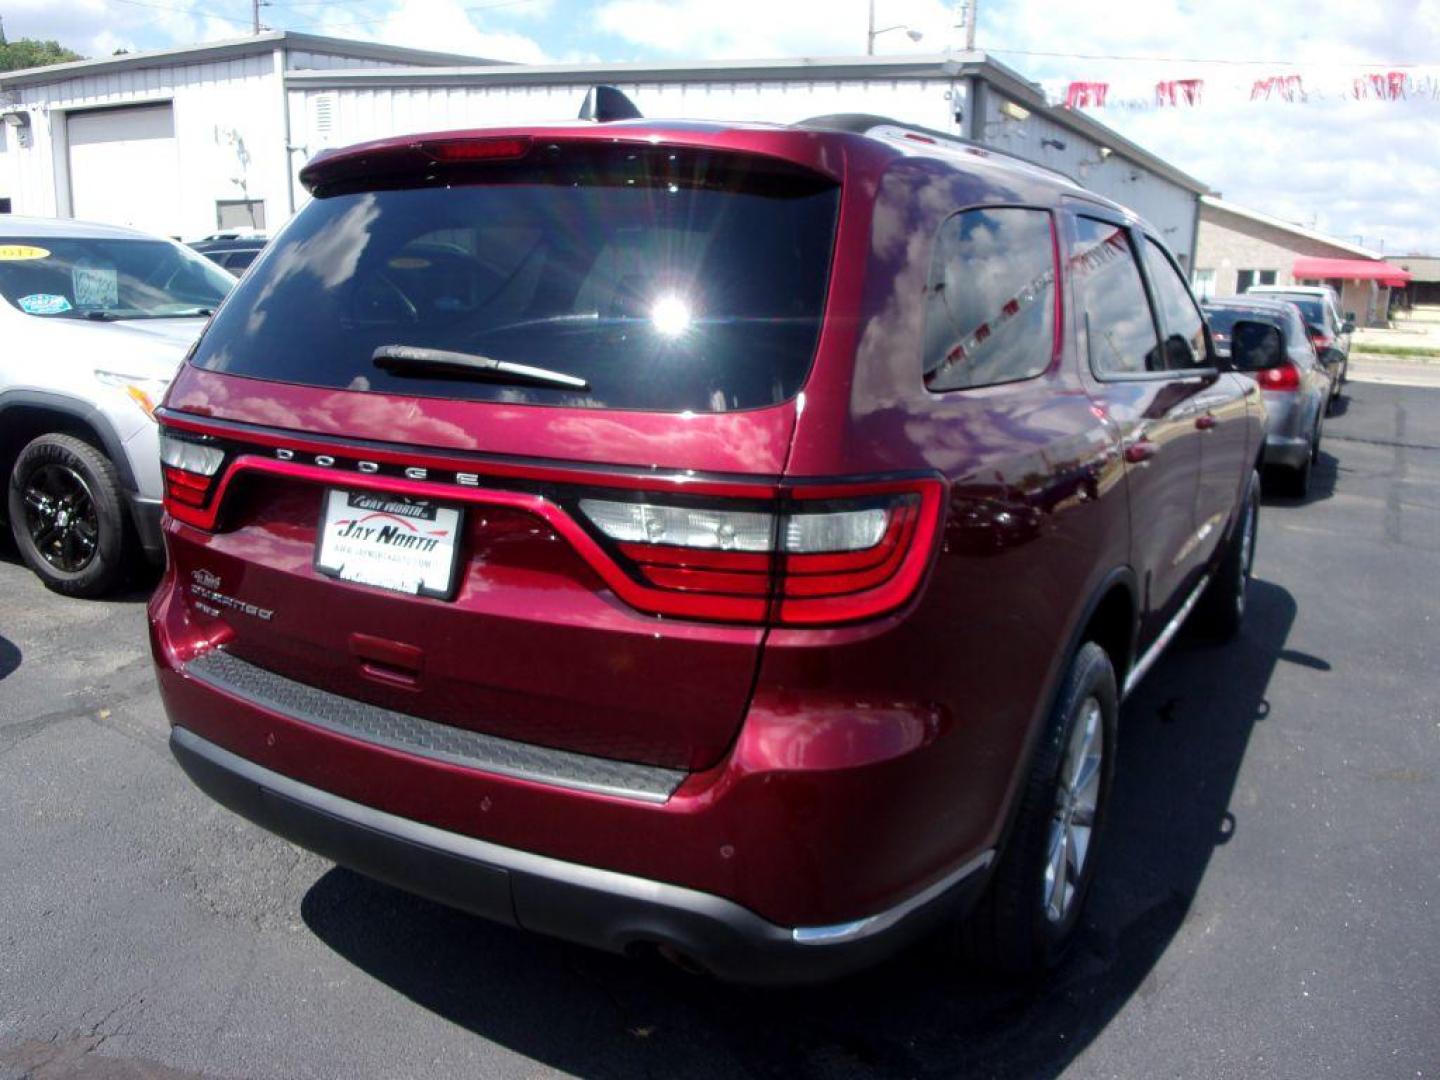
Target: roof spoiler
(605, 104)
(869, 123)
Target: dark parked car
(234, 254)
(727, 541)
(1297, 387)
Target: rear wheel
(1299, 479)
(1222, 608)
(1027, 918)
(68, 516)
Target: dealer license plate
(389, 542)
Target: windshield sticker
(18, 252)
(96, 284)
(43, 304)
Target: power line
(1201, 60)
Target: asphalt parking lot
(1269, 902)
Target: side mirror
(1255, 345)
(1348, 326)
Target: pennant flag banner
(1415, 84)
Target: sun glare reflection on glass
(670, 316)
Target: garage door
(124, 169)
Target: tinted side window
(990, 300)
(1118, 322)
(1185, 340)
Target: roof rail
(866, 123)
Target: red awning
(1307, 266)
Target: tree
(27, 53)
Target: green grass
(1413, 352)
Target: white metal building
(178, 141)
(230, 125)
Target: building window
(1205, 284)
(240, 213)
(1246, 278)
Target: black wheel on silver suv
(1222, 608)
(67, 515)
(1027, 918)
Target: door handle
(1205, 421)
(1140, 451)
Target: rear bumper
(600, 908)
(1286, 451)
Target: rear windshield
(1312, 307)
(87, 278)
(667, 280)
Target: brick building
(1238, 247)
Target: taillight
(1320, 339)
(486, 149)
(1281, 377)
(822, 556)
(190, 466)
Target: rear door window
(1119, 325)
(990, 300)
(1184, 326)
(666, 279)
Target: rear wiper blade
(420, 362)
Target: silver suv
(95, 320)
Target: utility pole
(971, 11)
(870, 34)
(255, 6)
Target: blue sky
(1359, 169)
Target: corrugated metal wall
(229, 127)
(338, 115)
(222, 106)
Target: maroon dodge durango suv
(727, 540)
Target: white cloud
(1351, 168)
(441, 25)
(706, 29)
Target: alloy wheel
(1077, 797)
(60, 517)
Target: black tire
(1297, 481)
(67, 515)
(1013, 930)
(1221, 610)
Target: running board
(1146, 662)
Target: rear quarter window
(990, 298)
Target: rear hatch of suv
(492, 436)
